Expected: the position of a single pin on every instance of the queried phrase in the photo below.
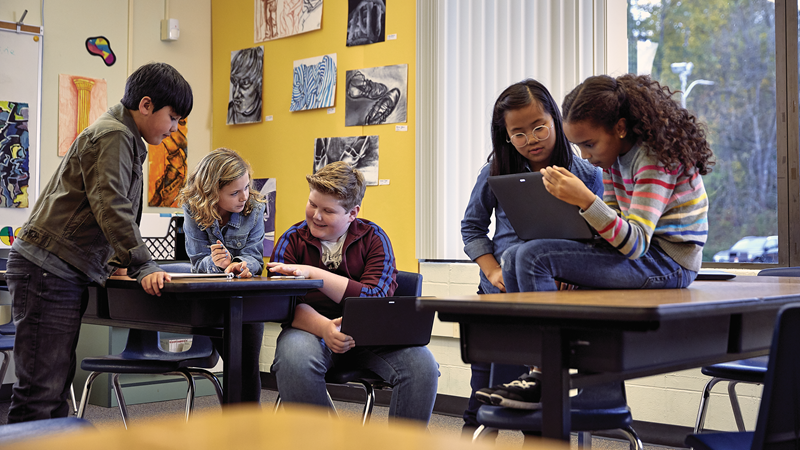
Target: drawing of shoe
(359, 86)
(381, 110)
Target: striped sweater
(643, 201)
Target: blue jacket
(243, 237)
(482, 203)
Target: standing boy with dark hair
(84, 228)
(354, 258)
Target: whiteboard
(21, 81)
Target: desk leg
(555, 386)
(232, 372)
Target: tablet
(534, 213)
(386, 321)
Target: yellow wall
(284, 148)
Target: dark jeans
(47, 311)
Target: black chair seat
(39, 428)
(531, 420)
(119, 364)
(718, 441)
(344, 376)
(747, 370)
(6, 343)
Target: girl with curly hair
(224, 228)
(652, 216)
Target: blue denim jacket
(243, 237)
(478, 216)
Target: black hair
(163, 84)
(651, 115)
(505, 158)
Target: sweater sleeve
(632, 207)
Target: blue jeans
(302, 360)
(47, 312)
(536, 265)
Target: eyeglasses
(539, 133)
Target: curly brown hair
(650, 113)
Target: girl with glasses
(527, 135)
(652, 215)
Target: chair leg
(277, 403)
(737, 411)
(333, 407)
(701, 412)
(72, 395)
(123, 408)
(189, 391)
(480, 431)
(4, 366)
(370, 403)
(633, 438)
(87, 389)
(208, 375)
(584, 439)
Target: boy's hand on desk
(297, 270)
(337, 341)
(239, 269)
(121, 272)
(154, 282)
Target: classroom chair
(750, 370)
(779, 414)
(594, 408)
(143, 355)
(409, 284)
(39, 428)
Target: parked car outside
(763, 249)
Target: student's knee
(298, 352)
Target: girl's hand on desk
(154, 282)
(567, 187)
(239, 269)
(337, 341)
(495, 276)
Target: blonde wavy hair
(340, 180)
(215, 171)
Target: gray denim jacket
(87, 213)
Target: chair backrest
(409, 284)
(780, 272)
(778, 424)
(3, 262)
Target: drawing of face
(246, 79)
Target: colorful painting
(281, 18)
(360, 152)
(167, 171)
(267, 187)
(376, 95)
(366, 22)
(100, 46)
(14, 161)
(314, 83)
(81, 101)
(247, 75)
(7, 236)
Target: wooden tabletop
(737, 295)
(246, 427)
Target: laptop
(534, 213)
(386, 321)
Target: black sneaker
(485, 395)
(523, 393)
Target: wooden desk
(206, 306)
(249, 428)
(615, 334)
